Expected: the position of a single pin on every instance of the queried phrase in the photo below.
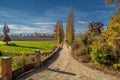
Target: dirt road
(64, 67)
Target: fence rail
(28, 67)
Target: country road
(64, 67)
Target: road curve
(64, 67)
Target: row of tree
(59, 32)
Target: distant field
(27, 46)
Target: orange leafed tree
(59, 32)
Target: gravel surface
(64, 67)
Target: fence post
(37, 59)
(6, 68)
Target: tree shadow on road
(62, 72)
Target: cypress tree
(70, 27)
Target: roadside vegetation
(100, 46)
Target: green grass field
(27, 46)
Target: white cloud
(82, 22)
(13, 13)
(101, 11)
(16, 29)
(45, 23)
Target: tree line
(59, 32)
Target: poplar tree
(70, 27)
(59, 32)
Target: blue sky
(29, 16)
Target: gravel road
(64, 67)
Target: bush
(75, 45)
(99, 57)
(86, 50)
(54, 48)
(85, 59)
(0, 53)
(17, 62)
(81, 51)
(103, 55)
(116, 66)
(29, 59)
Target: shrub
(17, 62)
(103, 54)
(99, 57)
(116, 66)
(54, 48)
(85, 59)
(75, 45)
(86, 50)
(83, 51)
(0, 53)
(29, 59)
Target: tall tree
(70, 27)
(59, 32)
(6, 30)
(117, 3)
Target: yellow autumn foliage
(107, 45)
